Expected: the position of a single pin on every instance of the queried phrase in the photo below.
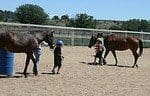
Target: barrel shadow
(2, 76)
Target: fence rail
(74, 36)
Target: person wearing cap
(99, 48)
(58, 56)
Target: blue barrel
(6, 62)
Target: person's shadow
(49, 73)
(126, 66)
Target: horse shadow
(92, 63)
(48, 73)
(22, 75)
(17, 75)
(125, 66)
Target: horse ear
(92, 34)
(98, 34)
(6, 30)
(52, 31)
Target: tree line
(34, 14)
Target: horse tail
(141, 47)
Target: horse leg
(106, 53)
(136, 56)
(26, 65)
(100, 58)
(114, 54)
(35, 71)
(94, 60)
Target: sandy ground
(78, 78)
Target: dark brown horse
(24, 43)
(113, 43)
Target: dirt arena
(78, 78)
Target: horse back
(19, 42)
(120, 43)
(133, 42)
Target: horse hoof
(35, 74)
(25, 75)
(101, 64)
(137, 66)
(53, 71)
(104, 63)
(132, 66)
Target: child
(99, 50)
(57, 56)
(37, 54)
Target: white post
(142, 35)
(72, 39)
(126, 34)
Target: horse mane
(38, 34)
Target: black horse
(113, 43)
(19, 42)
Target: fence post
(29, 29)
(72, 38)
(142, 35)
(126, 34)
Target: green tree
(65, 20)
(131, 25)
(1, 15)
(71, 23)
(31, 14)
(83, 21)
(144, 25)
(55, 18)
(136, 25)
(65, 17)
(115, 27)
(9, 16)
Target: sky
(99, 9)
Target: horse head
(93, 40)
(46, 36)
(49, 38)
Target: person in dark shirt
(58, 56)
